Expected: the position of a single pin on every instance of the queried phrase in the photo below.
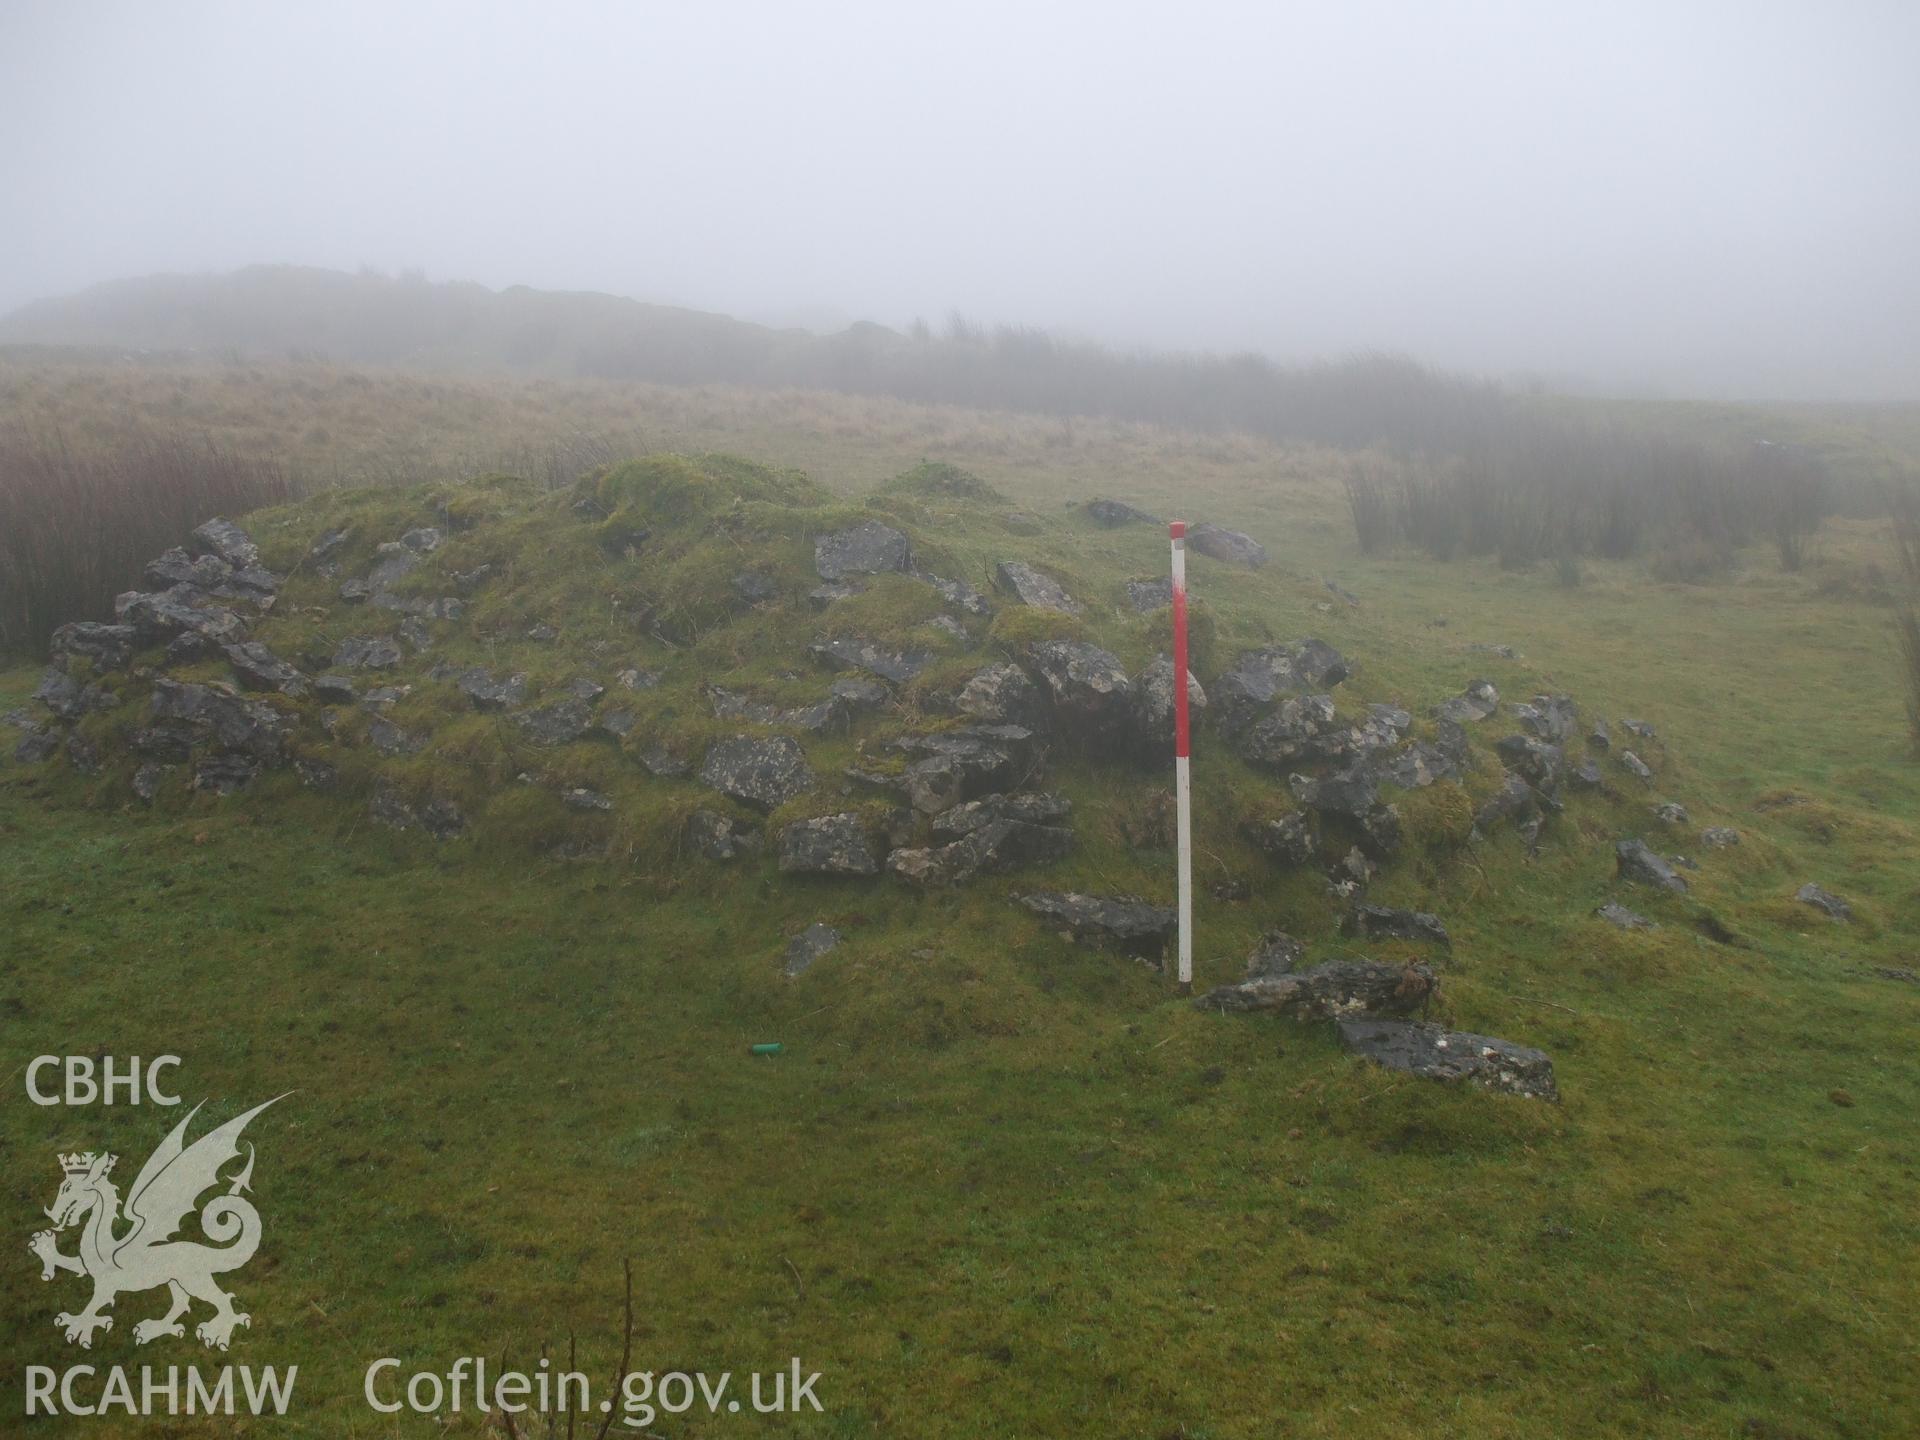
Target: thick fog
(1714, 199)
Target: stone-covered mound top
(691, 661)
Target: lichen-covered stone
(720, 837)
(869, 548)
(486, 692)
(998, 846)
(1032, 808)
(220, 536)
(806, 947)
(1437, 1054)
(1031, 587)
(1112, 514)
(1258, 677)
(560, 723)
(1541, 763)
(844, 652)
(1381, 922)
(1326, 991)
(1350, 792)
(952, 766)
(764, 772)
(1087, 686)
(367, 652)
(828, 845)
(1288, 840)
(1825, 901)
(105, 647)
(1636, 862)
(1220, 543)
(163, 615)
(1619, 916)
(1478, 701)
(1119, 922)
(1001, 694)
(258, 668)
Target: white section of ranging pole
(1182, 780)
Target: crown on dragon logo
(79, 1164)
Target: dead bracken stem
(626, 1344)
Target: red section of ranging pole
(1181, 735)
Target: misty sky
(1685, 198)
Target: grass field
(998, 1185)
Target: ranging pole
(1183, 796)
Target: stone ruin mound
(499, 661)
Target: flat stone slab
(1635, 861)
(845, 653)
(1825, 901)
(1437, 1054)
(1030, 587)
(258, 668)
(1379, 922)
(1114, 513)
(762, 772)
(1120, 922)
(1616, 914)
(560, 723)
(1336, 988)
(1220, 543)
(808, 946)
(222, 537)
(828, 845)
(1032, 808)
(869, 548)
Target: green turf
(999, 1186)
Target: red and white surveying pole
(1183, 793)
